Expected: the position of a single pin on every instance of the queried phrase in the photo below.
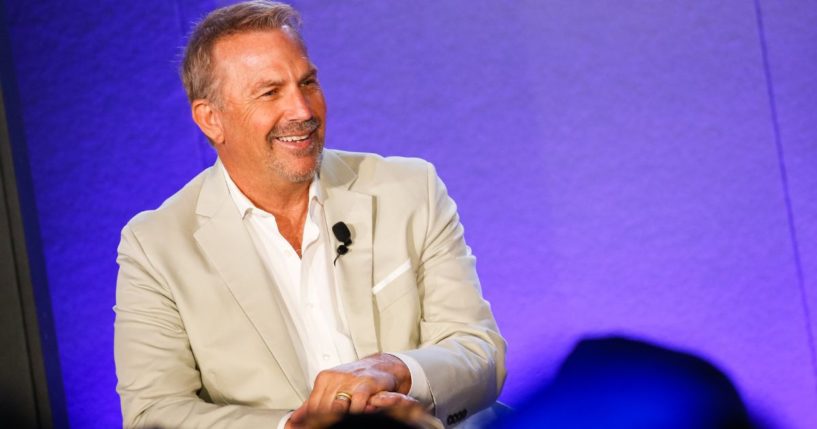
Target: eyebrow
(268, 83)
(311, 73)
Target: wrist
(399, 371)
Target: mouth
(294, 138)
(299, 143)
(298, 137)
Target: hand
(361, 380)
(321, 421)
(402, 408)
(397, 406)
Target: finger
(318, 393)
(360, 398)
(323, 421)
(328, 400)
(298, 415)
(340, 403)
(313, 403)
(396, 405)
(385, 399)
(417, 413)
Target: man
(237, 306)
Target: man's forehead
(258, 48)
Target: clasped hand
(376, 383)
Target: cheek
(317, 104)
(247, 132)
(254, 116)
(262, 121)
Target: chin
(303, 173)
(300, 177)
(300, 168)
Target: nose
(297, 107)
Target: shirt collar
(245, 206)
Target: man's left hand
(347, 388)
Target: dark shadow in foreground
(618, 382)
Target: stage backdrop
(646, 168)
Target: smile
(290, 139)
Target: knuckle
(326, 373)
(364, 389)
(369, 380)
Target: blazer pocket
(394, 285)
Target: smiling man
(288, 285)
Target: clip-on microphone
(343, 235)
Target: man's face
(272, 110)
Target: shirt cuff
(283, 422)
(420, 389)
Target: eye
(270, 93)
(310, 82)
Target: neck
(285, 200)
(280, 197)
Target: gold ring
(343, 396)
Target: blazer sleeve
(158, 381)
(461, 350)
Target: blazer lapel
(353, 271)
(228, 245)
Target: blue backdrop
(646, 168)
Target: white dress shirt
(308, 289)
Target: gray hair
(197, 64)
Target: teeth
(293, 138)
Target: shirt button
(309, 305)
(325, 356)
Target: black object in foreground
(618, 382)
(342, 234)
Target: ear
(207, 118)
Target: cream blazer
(203, 339)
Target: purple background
(646, 168)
